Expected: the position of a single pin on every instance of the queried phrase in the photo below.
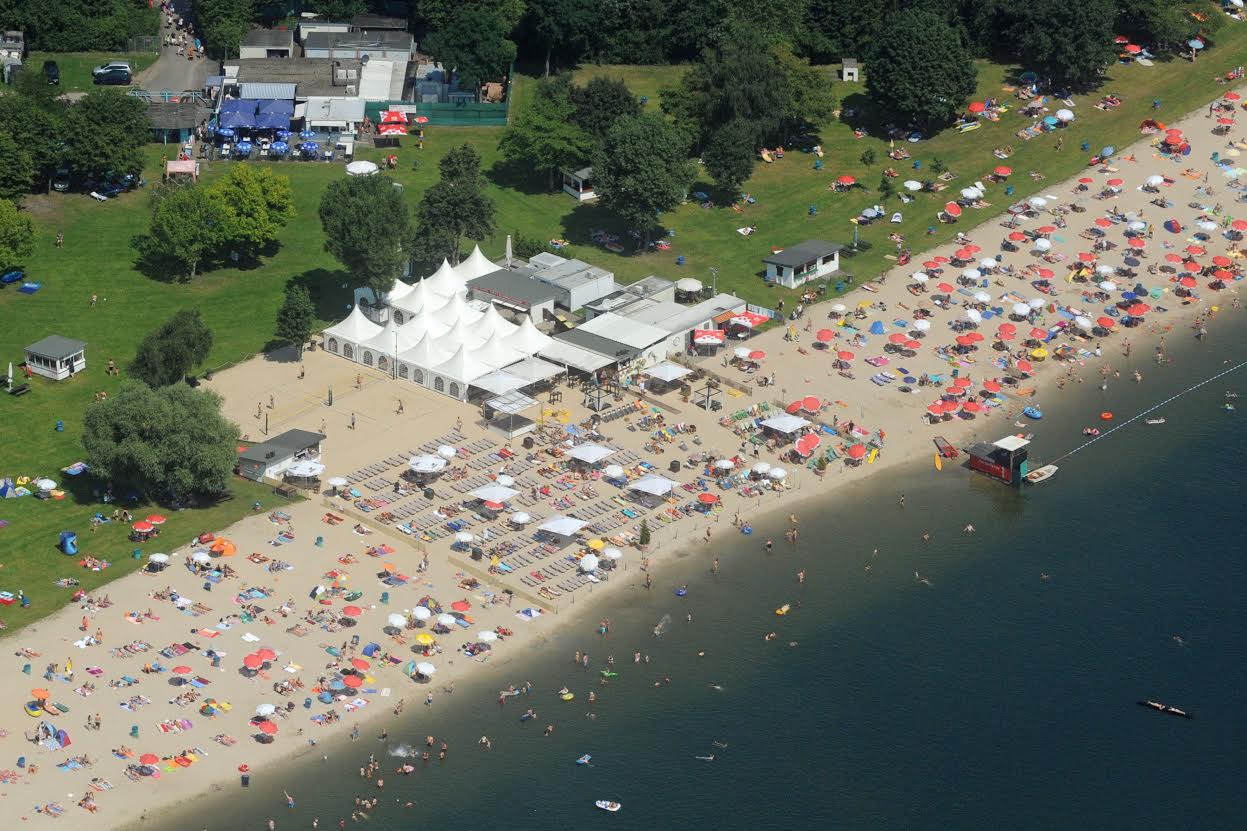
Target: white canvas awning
(493, 493)
(512, 403)
(534, 369)
(499, 383)
(564, 526)
(654, 485)
(567, 354)
(785, 423)
(667, 371)
(590, 453)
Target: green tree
(868, 157)
(730, 156)
(642, 169)
(644, 536)
(1070, 43)
(342, 10)
(223, 23)
(187, 227)
(167, 355)
(887, 188)
(454, 208)
(170, 442)
(434, 15)
(838, 29)
(36, 126)
(1165, 25)
(17, 235)
(367, 228)
(561, 27)
(476, 47)
(811, 96)
(544, 136)
(17, 170)
(296, 317)
(919, 69)
(256, 204)
(105, 133)
(601, 102)
(524, 246)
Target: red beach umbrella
(156, 519)
(1133, 48)
(811, 403)
(1137, 242)
(707, 498)
(1017, 236)
(353, 682)
(845, 355)
(266, 654)
(1104, 222)
(1222, 261)
(1225, 121)
(360, 664)
(857, 451)
(1187, 282)
(945, 287)
(913, 344)
(1007, 328)
(975, 336)
(757, 355)
(940, 258)
(1038, 334)
(825, 335)
(1046, 273)
(268, 728)
(352, 611)
(1024, 366)
(1191, 265)
(992, 386)
(965, 340)
(953, 392)
(252, 661)
(897, 337)
(976, 107)
(1231, 96)
(974, 249)
(142, 527)
(793, 408)
(1086, 180)
(935, 409)
(963, 254)
(1087, 256)
(1002, 171)
(949, 406)
(1239, 225)
(971, 406)
(1105, 322)
(1195, 251)
(1046, 229)
(1173, 258)
(952, 209)
(932, 265)
(182, 670)
(963, 383)
(1222, 274)
(1006, 335)
(846, 180)
(148, 759)
(1115, 183)
(460, 606)
(807, 443)
(1138, 309)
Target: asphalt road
(174, 72)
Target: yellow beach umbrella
(425, 639)
(1040, 353)
(596, 544)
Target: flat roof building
(270, 459)
(57, 357)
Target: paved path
(174, 72)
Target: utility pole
(714, 280)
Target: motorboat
(1033, 412)
(783, 610)
(1041, 474)
(584, 760)
(1165, 708)
(1155, 421)
(608, 805)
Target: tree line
(78, 25)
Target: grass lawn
(240, 303)
(76, 66)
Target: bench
(288, 491)
(20, 389)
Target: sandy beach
(195, 707)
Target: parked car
(112, 76)
(111, 66)
(52, 73)
(60, 180)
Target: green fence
(446, 115)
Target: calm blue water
(991, 699)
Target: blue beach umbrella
(282, 134)
(306, 134)
(876, 328)
(1195, 43)
(225, 132)
(243, 148)
(279, 147)
(1050, 120)
(1107, 151)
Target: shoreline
(219, 766)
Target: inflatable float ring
(1106, 416)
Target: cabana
(590, 455)
(653, 489)
(785, 427)
(667, 373)
(57, 357)
(496, 494)
(561, 528)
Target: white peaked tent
(392, 340)
(461, 334)
(419, 358)
(426, 322)
(456, 309)
(493, 323)
(397, 292)
(494, 354)
(453, 376)
(420, 298)
(345, 338)
(476, 265)
(527, 339)
(445, 281)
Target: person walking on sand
(352, 421)
(714, 569)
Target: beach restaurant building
(271, 459)
(57, 357)
(797, 265)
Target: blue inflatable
(69, 542)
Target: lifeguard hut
(1003, 460)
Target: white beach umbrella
(982, 297)
(361, 168)
(521, 518)
(761, 468)
(589, 563)
(464, 536)
(1021, 309)
(45, 484)
(159, 558)
(338, 482)
(427, 464)
(1206, 225)
(972, 274)
(447, 452)
(397, 621)
(201, 557)
(613, 472)
(612, 554)
(487, 636)
(504, 480)
(1043, 245)
(1108, 285)
(912, 185)
(421, 613)
(838, 308)
(725, 464)
(1104, 269)
(1035, 302)
(1155, 180)
(778, 474)
(975, 315)
(970, 193)
(425, 668)
(447, 620)
(265, 710)
(1136, 225)
(1065, 115)
(988, 263)
(742, 352)
(919, 277)
(305, 468)
(1038, 202)
(1084, 323)
(922, 325)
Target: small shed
(57, 357)
(579, 184)
(267, 43)
(274, 457)
(812, 259)
(849, 70)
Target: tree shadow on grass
(518, 177)
(330, 290)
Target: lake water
(992, 698)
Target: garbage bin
(428, 493)
(675, 465)
(528, 443)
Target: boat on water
(1165, 708)
(1155, 421)
(783, 610)
(608, 805)
(1033, 412)
(584, 760)
(946, 450)
(1041, 474)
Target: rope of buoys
(1149, 410)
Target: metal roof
(569, 354)
(56, 346)
(806, 252)
(269, 38)
(513, 288)
(380, 39)
(612, 351)
(282, 447)
(377, 21)
(634, 333)
(273, 91)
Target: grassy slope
(240, 304)
(76, 66)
